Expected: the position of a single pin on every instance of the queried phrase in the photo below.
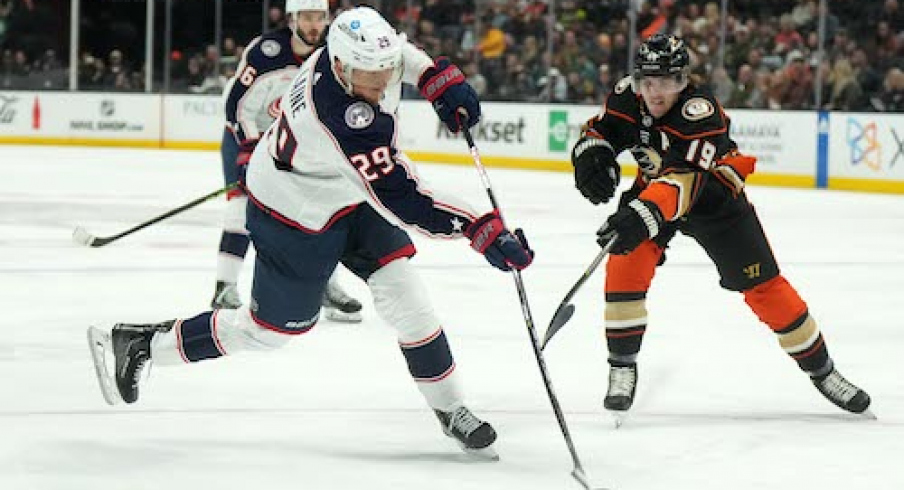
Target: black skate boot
(622, 385)
(620, 395)
(473, 435)
(226, 297)
(842, 392)
(130, 346)
(339, 306)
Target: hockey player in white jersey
(327, 184)
(251, 100)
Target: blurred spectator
(721, 85)
(787, 38)
(799, 94)
(553, 87)
(743, 91)
(891, 98)
(771, 50)
(846, 93)
(478, 81)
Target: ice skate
(339, 306)
(620, 395)
(475, 436)
(843, 393)
(226, 297)
(130, 349)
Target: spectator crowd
(511, 51)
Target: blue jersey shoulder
(357, 125)
(273, 51)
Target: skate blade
(340, 316)
(100, 346)
(868, 415)
(483, 454)
(619, 417)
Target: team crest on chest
(359, 115)
(270, 48)
(697, 108)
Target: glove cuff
(649, 214)
(484, 230)
(435, 81)
(586, 143)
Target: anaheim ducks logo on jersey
(697, 108)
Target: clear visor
(658, 84)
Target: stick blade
(559, 319)
(82, 237)
(582, 478)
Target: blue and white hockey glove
(444, 85)
(503, 249)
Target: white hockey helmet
(363, 40)
(299, 5)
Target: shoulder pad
(359, 115)
(699, 114)
(270, 51)
(697, 108)
(623, 85)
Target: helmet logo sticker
(270, 48)
(697, 108)
(355, 25)
(359, 115)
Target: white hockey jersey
(328, 152)
(252, 96)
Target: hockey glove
(502, 248)
(596, 173)
(634, 223)
(733, 169)
(445, 87)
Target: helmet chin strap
(344, 76)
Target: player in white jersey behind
(251, 101)
(327, 184)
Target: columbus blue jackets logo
(270, 48)
(359, 115)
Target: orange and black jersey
(676, 152)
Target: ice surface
(719, 405)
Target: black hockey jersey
(675, 153)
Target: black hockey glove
(444, 85)
(596, 173)
(503, 249)
(634, 223)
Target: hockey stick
(81, 236)
(578, 472)
(566, 309)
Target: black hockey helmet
(662, 56)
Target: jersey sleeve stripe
(702, 134)
(621, 115)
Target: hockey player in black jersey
(690, 179)
(252, 99)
